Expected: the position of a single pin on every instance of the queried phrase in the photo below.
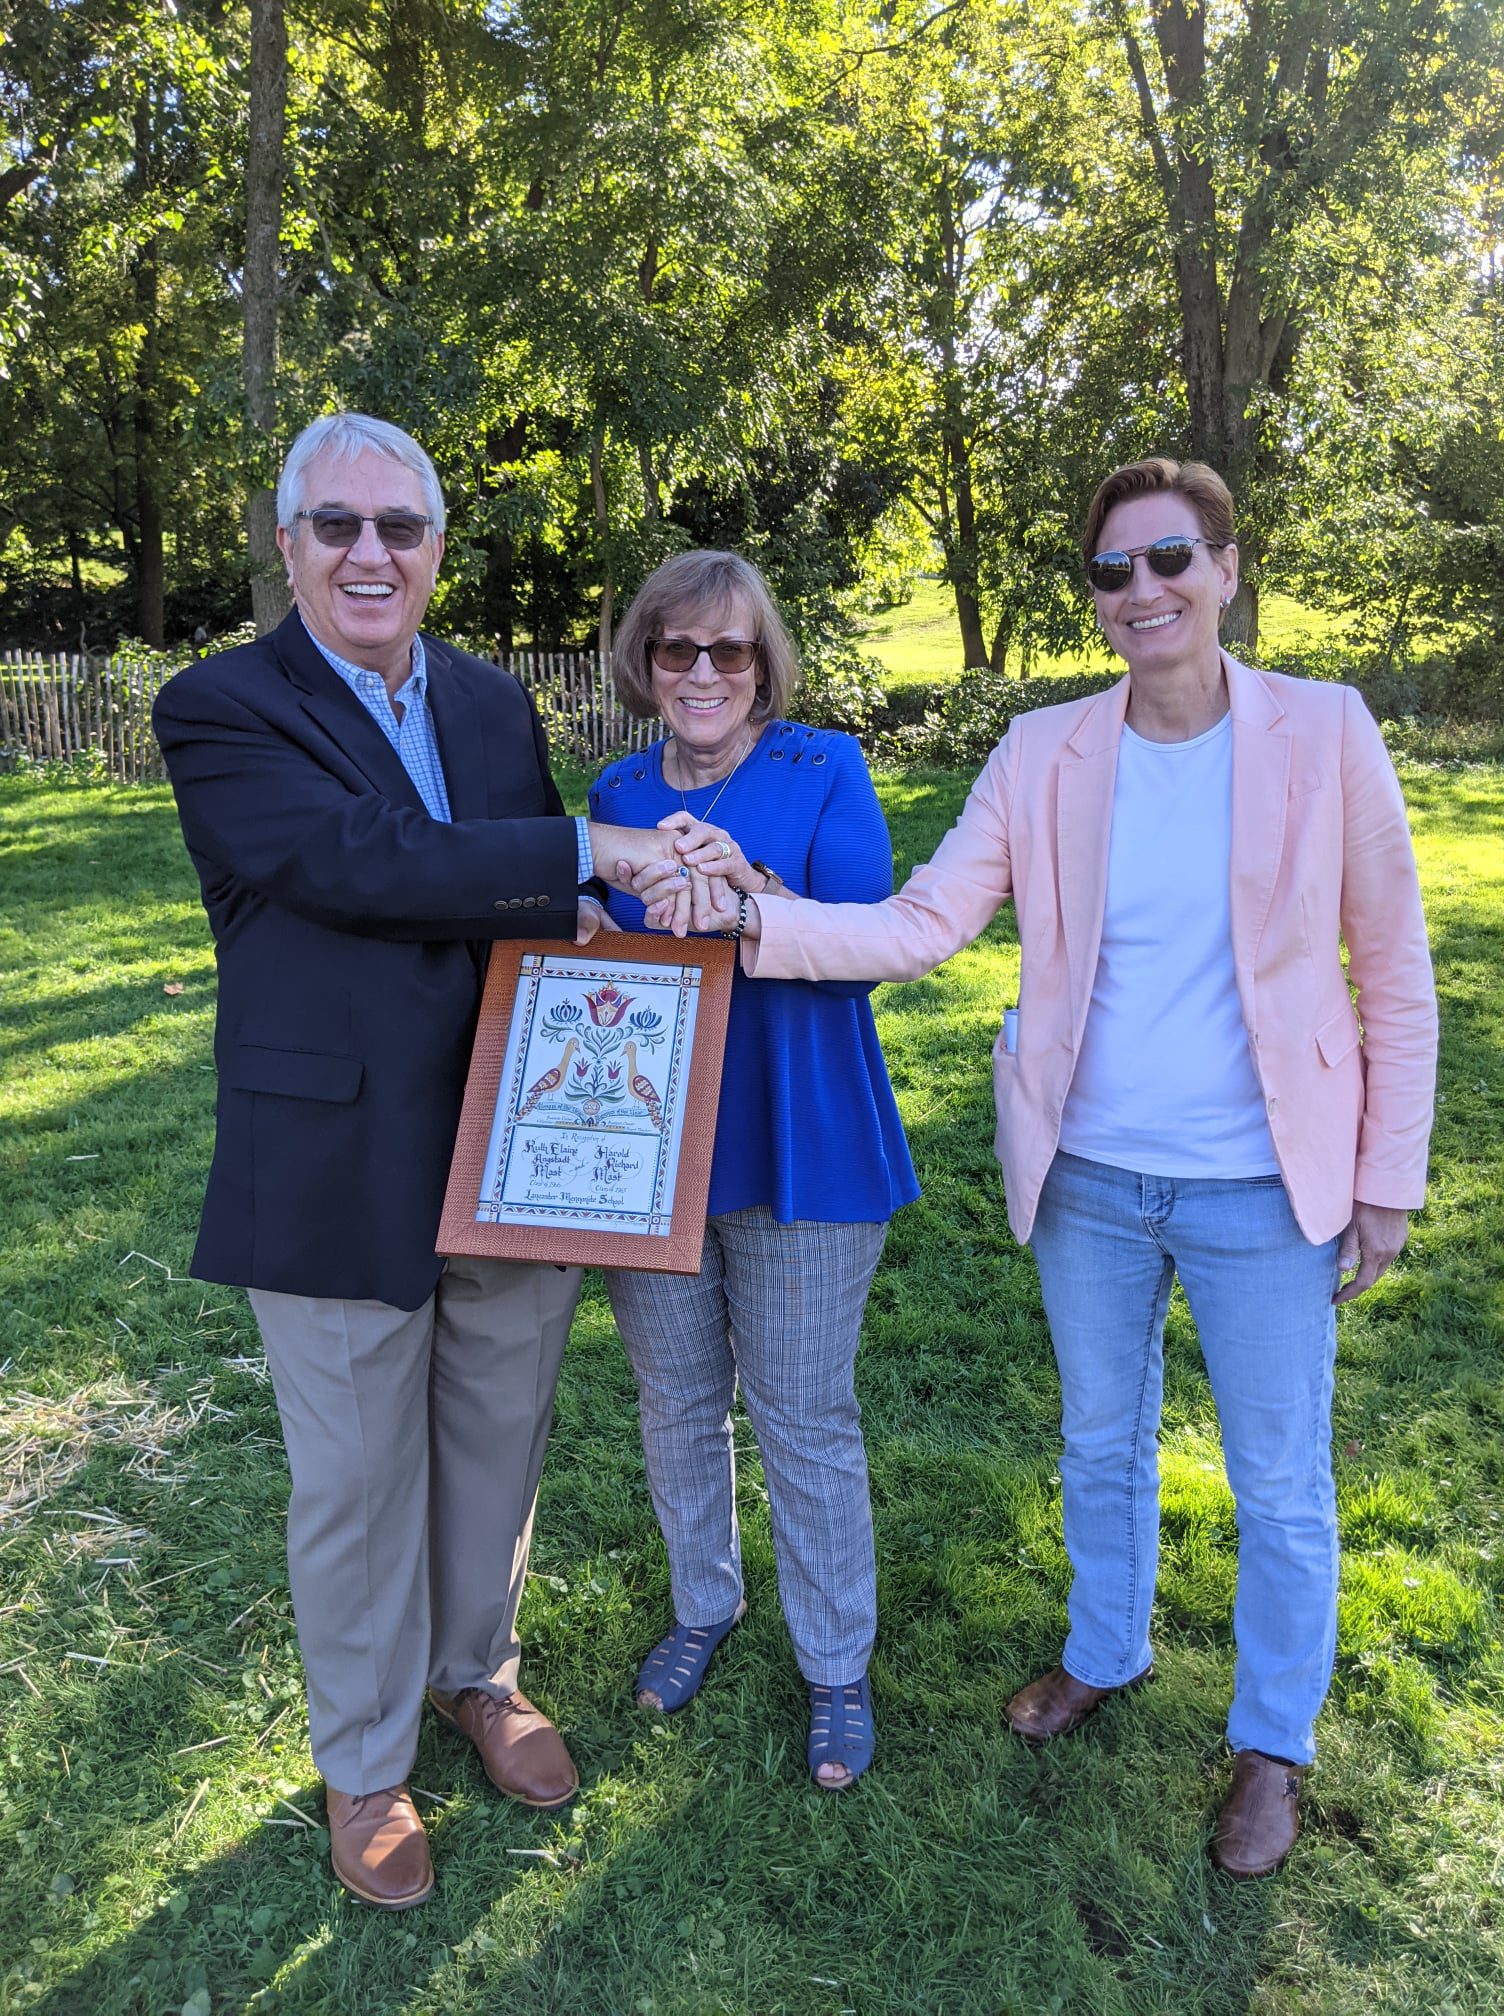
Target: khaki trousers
(415, 1440)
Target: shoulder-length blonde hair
(682, 591)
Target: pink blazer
(1321, 856)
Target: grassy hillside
(920, 641)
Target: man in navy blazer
(367, 808)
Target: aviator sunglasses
(681, 654)
(398, 531)
(1167, 557)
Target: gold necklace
(704, 817)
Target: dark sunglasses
(398, 531)
(682, 654)
(1167, 557)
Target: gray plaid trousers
(777, 1308)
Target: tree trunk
(1240, 620)
(963, 562)
(499, 590)
(647, 281)
(1002, 638)
(603, 529)
(652, 494)
(955, 442)
(265, 143)
(150, 558)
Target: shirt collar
(416, 681)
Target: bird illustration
(644, 1089)
(550, 1081)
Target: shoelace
(358, 1799)
(491, 1707)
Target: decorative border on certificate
(589, 1113)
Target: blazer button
(500, 903)
(529, 902)
(514, 902)
(542, 902)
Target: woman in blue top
(810, 1161)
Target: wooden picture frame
(589, 1115)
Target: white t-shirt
(1164, 1083)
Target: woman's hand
(712, 851)
(1376, 1233)
(680, 899)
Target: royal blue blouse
(808, 1124)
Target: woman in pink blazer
(1191, 1085)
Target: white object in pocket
(1010, 1031)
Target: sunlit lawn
(920, 641)
(159, 1814)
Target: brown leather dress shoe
(1058, 1703)
(378, 1847)
(1260, 1823)
(522, 1751)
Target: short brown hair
(690, 582)
(1200, 485)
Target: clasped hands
(685, 873)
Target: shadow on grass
(740, 1889)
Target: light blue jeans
(1109, 1243)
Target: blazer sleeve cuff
(1391, 1189)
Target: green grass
(920, 642)
(152, 1742)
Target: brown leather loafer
(378, 1847)
(1260, 1823)
(522, 1751)
(1058, 1703)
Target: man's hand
(629, 847)
(1375, 1235)
(590, 919)
(622, 852)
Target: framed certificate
(589, 1113)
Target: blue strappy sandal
(840, 1732)
(678, 1663)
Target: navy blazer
(351, 932)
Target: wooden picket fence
(577, 702)
(57, 709)
(61, 708)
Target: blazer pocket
(1337, 1036)
(295, 1074)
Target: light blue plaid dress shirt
(413, 737)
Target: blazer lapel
(460, 728)
(1260, 797)
(325, 696)
(1083, 834)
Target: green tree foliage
(861, 290)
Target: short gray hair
(344, 436)
(684, 587)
